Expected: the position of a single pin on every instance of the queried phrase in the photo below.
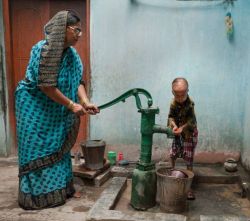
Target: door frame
(12, 148)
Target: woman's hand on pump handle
(78, 109)
(91, 108)
(83, 109)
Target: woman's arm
(84, 101)
(82, 95)
(56, 95)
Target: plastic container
(112, 157)
(172, 189)
(120, 156)
(77, 158)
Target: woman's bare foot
(77, 195)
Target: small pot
(230, 165)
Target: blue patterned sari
(46, 132)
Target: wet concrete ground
(211, 199)
(218, 193)
(218, 198)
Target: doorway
(24, 25)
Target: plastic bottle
(120, 156)
(77, 156)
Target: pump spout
(163, 130)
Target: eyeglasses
(77, 30)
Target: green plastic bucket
(112, 157)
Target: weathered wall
(3, 145)
(148, 43)
(246, 130)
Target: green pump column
(144, 177)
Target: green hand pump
(143, 192)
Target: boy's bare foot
(190, 195)
(77, 194)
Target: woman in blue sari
(49, 103)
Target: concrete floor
(211, 199)
(221, 197)
(218, 193)
(73, 210)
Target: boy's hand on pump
(175, 128)
(177, 131)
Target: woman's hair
(72, 18)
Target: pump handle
(133, 92)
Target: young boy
(182, 120)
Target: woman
(49, 103)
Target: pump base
(143, 194)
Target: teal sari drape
(46, 131)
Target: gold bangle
(83, 102)
(70, 105)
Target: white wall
(148, 43)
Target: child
(182, 120)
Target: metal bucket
(172, 191)
(93, 151)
